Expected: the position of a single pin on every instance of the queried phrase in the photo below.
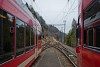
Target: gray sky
(56, 11)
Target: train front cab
(88, 34)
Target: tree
(71, 37)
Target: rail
(67, 52)
(72, 58)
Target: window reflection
(92, 12)
(90, 37)
(19, 36)
(32, 37)
(6, 38)
(98, 36)
(27, 37)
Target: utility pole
(64, 29)
(62, 36)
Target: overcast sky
(57, 11)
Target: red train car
(88, 33)
(20, 35)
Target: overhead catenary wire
(68, 12)
(71, 6)
(60, 12)
(73, 9)
(43, 13)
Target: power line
(69, 10)
(73, 9)
(66, 15)
(71, 6)
(60, 12)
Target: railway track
(70, 55)
(67, 52)
(52, 58)
(63, 60)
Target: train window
(92, 12)
(19, 37)
(6, 37)
(98, 36)
(85, 37)
(90, 37)
(32, 37)
(27, 37)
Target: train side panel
(28, 57)
(21, 61)
(88, 50)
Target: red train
(88, 33)
(20, 35)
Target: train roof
(86, 3)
